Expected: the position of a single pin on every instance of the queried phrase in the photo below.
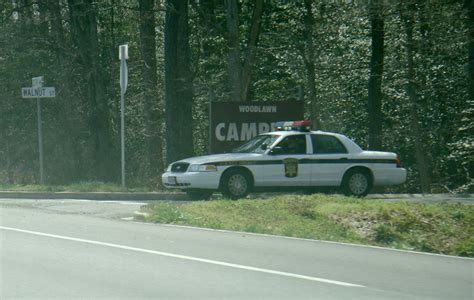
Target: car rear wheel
(357, 183)
(236, 184)
(199, 194)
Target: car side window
(326, 144)
(293, 144)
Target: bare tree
(240, 74)
(152, 103)
(84, 28)
(178, 82)
(309, 62)
(376, 70)
(251, 49)
(469, 5)
(408, 16)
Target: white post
(40, 141)
(37, 82)
(122, 135)
(123, 56)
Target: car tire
(356, 183)
(199, 194)
(236, 184)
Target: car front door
(286, 163)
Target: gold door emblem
(291, 167)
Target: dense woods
(393, 75)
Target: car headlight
(202, 168)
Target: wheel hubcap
(358, 184)
(237, 184)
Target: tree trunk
(70, 127)
(26, 15)
(251, 49)
(208, 25)
(84, 27)
(375, 80)
(420, 154)
(469, 4)
(308, 56)
(57, 29)
(234, 68)
(178, 80)
(240, 74)
(153, 105)
(43, 26)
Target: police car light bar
(304, 125)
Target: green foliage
(166, 213)
(278, 216)
(466, 248)
(384, 234)
(438, 228)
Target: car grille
(179, 167)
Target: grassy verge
(77, 187)
(437, 228)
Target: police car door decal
(291, 167)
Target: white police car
(292, 157)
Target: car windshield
(258, 144)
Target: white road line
(184, 257)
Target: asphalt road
(86, 250)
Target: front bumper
(191, 180)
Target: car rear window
(327, 144)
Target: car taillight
(398, 162)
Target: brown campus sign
(232, 123)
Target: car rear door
(329, 160)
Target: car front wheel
(236, 184)
(356, 183)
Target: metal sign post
(38, 91)
(40, 140)
(123, 56)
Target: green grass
(76, 187)
(437, 228)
